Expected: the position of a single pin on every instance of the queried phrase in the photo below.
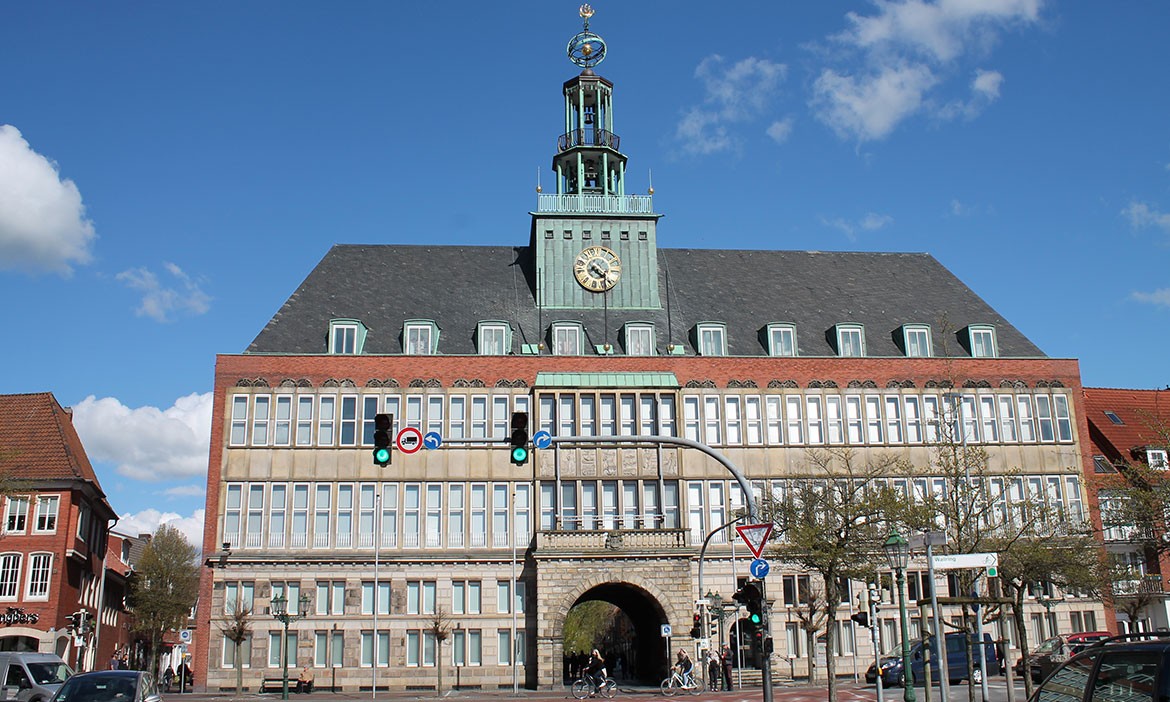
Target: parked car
(957, 645)
(31, 677)
(1126, 668)
(1054, 651)
(109, 686)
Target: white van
(31, 677)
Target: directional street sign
(542, 439)
(665, 631)
(755, 536)
(759, 568)
(432, 440)
(966, 560)
(409, 440)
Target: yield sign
(755, 536)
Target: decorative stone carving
(700, 384)
(629, 463)
(786, 384)
(338, 383)
(588, 458)
(742, 384)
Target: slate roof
(1142, 412)
(459, 286)
(38, 441)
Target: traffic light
(519, 438)
(72, 621)
(861, 618)
(83, 623)
(697, 629)
(750, 597)
(713, 624)
(382, 424)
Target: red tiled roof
(38, 441)
(1142, 413)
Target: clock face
(597, 268)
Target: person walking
(725, 661)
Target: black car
(109, 686)
(1127, 668)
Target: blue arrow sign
(432, 440)
(759, 568)
(542, 439)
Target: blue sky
(170, 172)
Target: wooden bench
(276, 684)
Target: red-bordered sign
(755, 536)
(409, 440)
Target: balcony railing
(596, 204)
(1144, 585)
(589, 137)
(616, 540)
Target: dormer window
(639, 339)
(567, 339)
(346, 336)
(981, 341)
(781, 340)
(1156, 458)
(712, 339)
(916, 341)
(850, 340)
(494, 338)
(420, 337)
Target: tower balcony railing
(596, 204)
(589, 137)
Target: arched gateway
(650, 590)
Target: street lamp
(280, 613)
(898, 555)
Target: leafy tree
(833, 520)
(237, 629)
(163, 587)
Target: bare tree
(237, 629)
(163, 587)
(440, 628)
(812, 613)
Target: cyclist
(595, 671)
(684, 665)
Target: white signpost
(958, 561)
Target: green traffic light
(755, 618)
(381, 456)
(519, 454)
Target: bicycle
(584, 687)
(678, 682)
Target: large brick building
(55, 558)
(592, 328)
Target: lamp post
(716, 610)
(898, 555)
(281, 614)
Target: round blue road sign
(542, 439)
(759, 568)
(432, 440)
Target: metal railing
(599, 204)
(589, 137)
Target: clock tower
(595, 245)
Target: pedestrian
(725, 660)
(713, 676)
(114, 661)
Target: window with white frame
(40, 569)
(383, 598)
(1156, 458)
(9, 575)
(493, 339)
(46, 516)
(781, 340)
(420, 597)
(343, 337)
(712, 340)
(16, 516)
(243, 649)
(567, 339)
(916, 338)
(239, 430)
(639, 340)
(982, 341)
(420, 338)
(331, 597)
(466, 597)
(381, 643)
(850, 340)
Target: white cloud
(1141, 215)
(149, 520)
(735, 93)
(1161, 296)
(184, 491)
(907, 49)
(780, 130)
(42, 219)
(158, 301)
(868, 108)
(147, 443)
(871, 222)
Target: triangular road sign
(755, 536)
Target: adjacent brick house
(54, 552)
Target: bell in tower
(588, 159)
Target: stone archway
(643, 658)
